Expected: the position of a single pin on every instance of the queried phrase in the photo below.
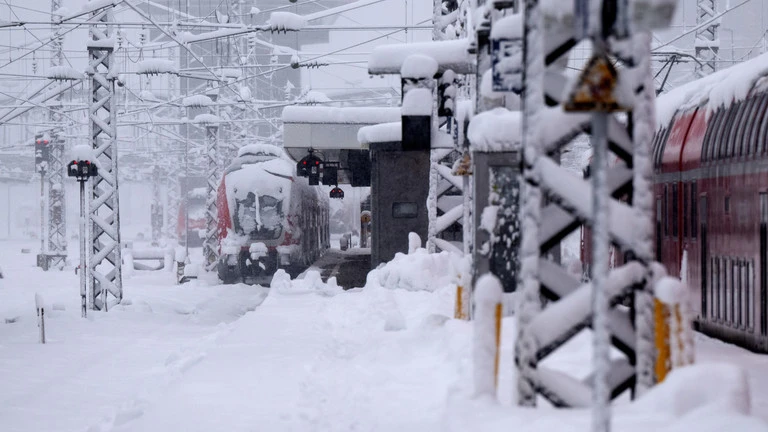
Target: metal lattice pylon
(572, 305)
(707, 43)
(57, 222)
(105, 264)
(211, 243)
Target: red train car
(269, 218)
(710, 158)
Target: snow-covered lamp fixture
(507, 54)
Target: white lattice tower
(707, 43)
(105, 264)
(57, 221)
(175, 161)
(545, 327)
(443, 211)
(213, 177)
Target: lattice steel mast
(56, 254)
(707, 44)
(105, 262)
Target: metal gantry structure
(707, 42)
(615, 207)
(105, 263)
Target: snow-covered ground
(303, 356)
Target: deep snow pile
(306, 355)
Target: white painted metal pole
(83, 263)
(601, 415)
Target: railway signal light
(305, 166)
(337, 193)
(42, 152)
(82, 170)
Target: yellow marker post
(498, 345)
(661, 338)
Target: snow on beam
(564, 318)
(556, 278)
(575, 193)
(380, 133)
(447, 246)
(562, 389)
(452, 54)
(456, 181)
(449, 218)
(351, 115)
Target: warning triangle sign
(595, 89)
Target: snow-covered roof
(495, 130)
(384, 132)
(351, 115)
(260, 150)
(715, 90)
(451, 54)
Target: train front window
(259, 219)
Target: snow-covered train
(710, 158)
(269, 218)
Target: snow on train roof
(260, 150)
(717, 89)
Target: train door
(763, 263)
(703, 252)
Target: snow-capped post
(494, 137)
(487, 334)
(40, 307)
(105, 265)
(526, 346)
(672, 324)
(417, 77)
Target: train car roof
(715, 90)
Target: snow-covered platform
(306, 356)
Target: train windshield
(259, 219)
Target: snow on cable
(156, 66)
(286, 21)
(65, 73)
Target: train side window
(751, 295)
(723, 289)
(721, 136)
(762, 128)
(665, 212)
(734, 144)
(712, 284)
(686, 210)
(727, 204)
(738, 294)
(753, 124)
(711, 134)
(675, 210)
(694, 211)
